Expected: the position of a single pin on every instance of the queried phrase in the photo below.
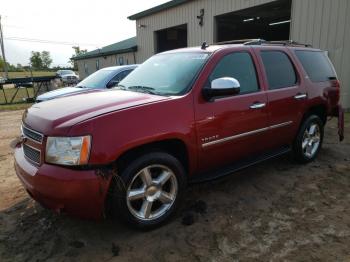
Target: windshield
(66, 72)
(97, 79)
(165, 74)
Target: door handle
(257, 105)
(300, 96)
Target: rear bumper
(80, 193)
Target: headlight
(69, 151)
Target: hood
(61, 92)
(55, 117)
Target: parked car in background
(67, 76)
(104, 78)
(186, 115)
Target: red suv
(186, 115)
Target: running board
(228, 170)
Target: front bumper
(80, 193)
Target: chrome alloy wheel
(311, 140)
(152, 192)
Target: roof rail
(263, 42)
(289, 43)
(239, 41)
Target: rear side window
(316, 64)
(240, 66)
(279, 69)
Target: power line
(44, 41)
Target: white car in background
(67, 76)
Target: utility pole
(3, 50)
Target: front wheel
(309, 139)
(153, 186)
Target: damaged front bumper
(80, 193)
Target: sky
(89, 24)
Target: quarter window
(279, 69)
(239, 66)
(317, 65)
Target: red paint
(122, 120)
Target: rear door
(233, 127)
(286, 95)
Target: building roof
(157, 9)
(125, 46)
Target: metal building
(121, 53)
(324, 24)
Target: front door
(231, 128)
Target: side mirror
(225, 86)
(112, 83)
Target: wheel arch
(173, 146)
(320, 110)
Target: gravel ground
(275, 211)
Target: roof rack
(240, 41)
(263, 42)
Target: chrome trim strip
(31, 130)
(223, 140)
(301, 96)
(30, 160)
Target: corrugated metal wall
(323, 23)
(186, 14)
(326, 25)
(111, 60)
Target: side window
(279, 69)
(97, 64)
(240, 66)
(316, 64)
(119, 77)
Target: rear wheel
(309, 139)
(153, 186)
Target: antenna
(204, 45)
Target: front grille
(31, 134)
(32, 154)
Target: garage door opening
(171, 38)
(269, 21)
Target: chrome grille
(32, 154)
(31, 134)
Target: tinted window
(317, 65)
(279, 69)
(119, 77)
(239, 66)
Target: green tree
(77, 52)
(46, 59)
(36, 60)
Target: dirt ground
(275, 211)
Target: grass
(20, 96)
(28, 74)
(15, 107)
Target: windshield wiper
(145, 89)
(120, 87)
(81, 86)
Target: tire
(308, 142)
(153, 187)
